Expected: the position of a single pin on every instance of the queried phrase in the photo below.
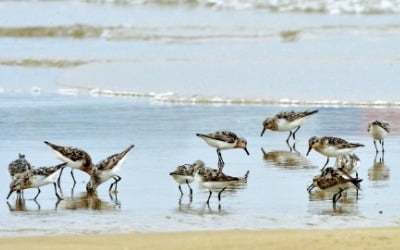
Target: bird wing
(225, 136)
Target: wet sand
(382, 238)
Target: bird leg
(337, 196)
(383, 148)
(219, 194)
(180, 189)
(73, 177)
(294, 133)
(55, 189)
(220, 160)
(190, 188)
(310, 188)
(37, 194)
(117, 178)
(290, 135)
(208, 200)
(376, 148)
(59, 178)
(326, 163)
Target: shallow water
(69, 69)
(164, 136)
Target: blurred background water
(309, 50)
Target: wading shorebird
(185, 174)
(331, 147)
(107, 169)
(348, 163)
(287, 121)
(224, 140)
(378, 130)
(19, 166)
(74, 157)
(334, 179)
(36, 178)
(216, 181)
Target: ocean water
(101, 75)
(148, 200)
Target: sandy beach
(383, 238)
(101, 75)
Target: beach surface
(383, 238)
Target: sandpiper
(19, 166)
(334, 179)
(216, 181)
(35, 178)
(287, 121)
(378, 130)
(224, 140)
(185, 174)
(331, 146)
(107, 169)
(348, 163)
(74, 157)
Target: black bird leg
(376, 148)
(326, 163)
(37, 194)
(337, 196)
(190, 188)
(310, 188)
(73, 177)
(219, 194)
(59, 178)
(220, 160)
(294, 133)
(117, 178)
(290, 135)
(180, 189)
(208, 200)
(55, 189)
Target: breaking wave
(173, 98)
(305, 6)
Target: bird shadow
(90, 201)
(379, 171)
(286, 159)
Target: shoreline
(173, 98)
(363, 238)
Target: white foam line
(171, 97)
(69, 91)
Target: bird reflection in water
(348, 203)
(20, 205)
(205, 208)
(379, 171)
(90, 201)
(287, 159)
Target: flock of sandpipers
(338, 178)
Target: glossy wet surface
(148, 199)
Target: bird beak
(9, 194)
(247, 152)
(309, 149)
(262, 132)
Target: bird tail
(356, 182)
(52, 146)
(308, 112)
(244, 178)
